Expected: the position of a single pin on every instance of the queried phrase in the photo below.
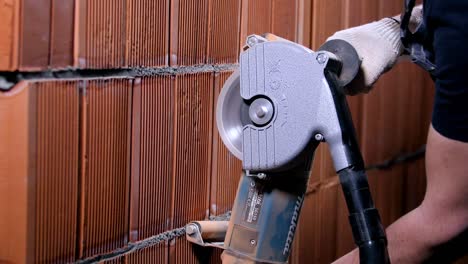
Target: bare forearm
(409, 238)
(405, 244)
(414, 237)
(442, 216)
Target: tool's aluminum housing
(293, 79)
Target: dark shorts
(447, 26)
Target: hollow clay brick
(152, 156)
(192, 150)
(224, 30)
(100, 34)
(39, 172)
(35, 34)
(105, 165)
(62, 33)
(188, 31)
(147, 34)
(9, 12)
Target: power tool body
(272, 113)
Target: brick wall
(91, 164)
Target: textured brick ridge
(189, 20)
(14, 163)
(102, 34)
(62, 33)
(46, 195)
(147, 33)
(106, 159)
(9, 12)
(35, 34)
(193, 132)
(224, 30)
(285, 22)
(152, 169)
(57, 148)
(258, 17)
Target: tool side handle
(368, 231)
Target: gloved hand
(378, 45)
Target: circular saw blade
(232, 115)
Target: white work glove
(378, 45)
